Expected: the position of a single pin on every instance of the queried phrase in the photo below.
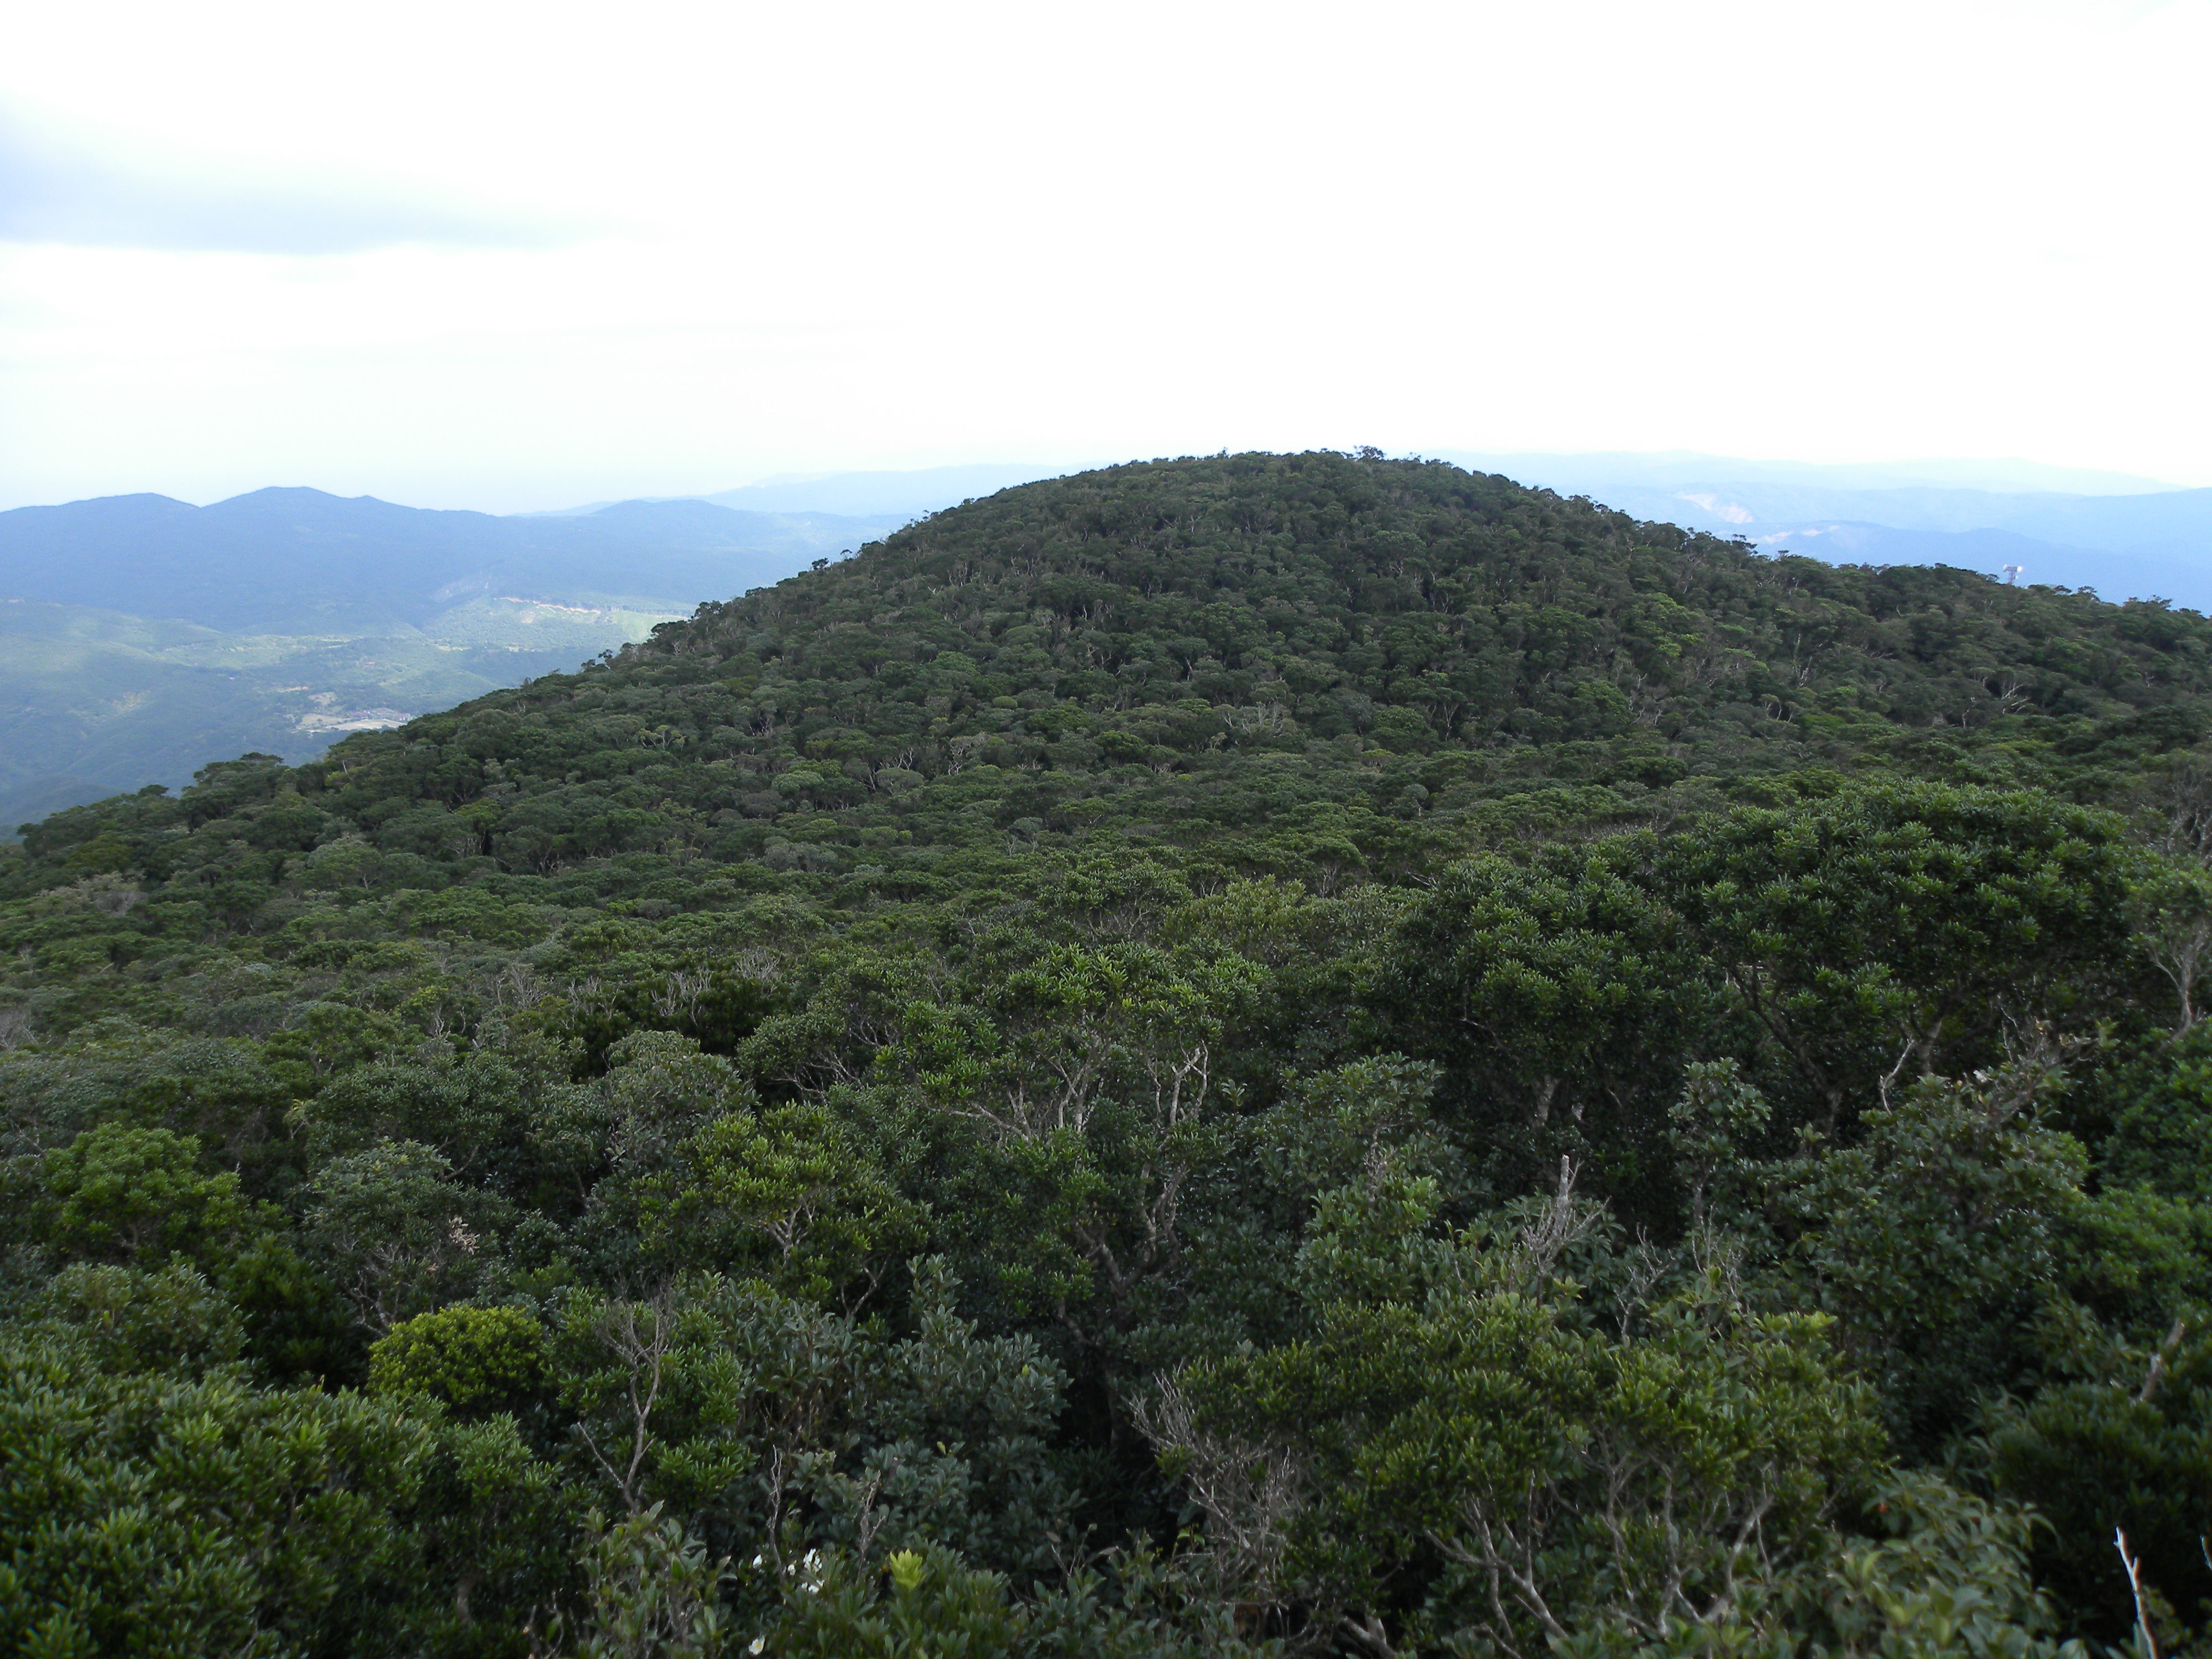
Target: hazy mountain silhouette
(139, 634)
(2135, 541)
(904, 495)
(301, 562)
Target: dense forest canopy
(1267, 1055)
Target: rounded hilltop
(1394, 656)
(1149, 1007)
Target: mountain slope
(1263, 651)
(1460, 624)
(1314, 1008)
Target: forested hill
(1260, 1055)
(1258, 655)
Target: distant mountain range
(1688, 469)
(900, 495)
(300, 561)
(2133, 538)
(2123, 535)
(140, 635)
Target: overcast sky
(522, 256)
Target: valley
(141, 635)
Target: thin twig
(2135, 1585)
(2158, 1363)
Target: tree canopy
(1271, 1055)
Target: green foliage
(1888, 933)
(782, 1424)
(165, 1513)
(2161, 1134)
(130, 1320)
(1455, 1391)
(465, 1356)
(792, 1189)
(653, 1591)
(2120, 1437)
(1934, 1239)
(135, 1196)
(1944, 1573)
(931, 1603)
(2097, 1456)
(394, 1231)
(1255, 1054)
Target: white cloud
(1727, 511)
(882, 235)
(56, 189)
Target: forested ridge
(1263, 1055)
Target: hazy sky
(520, 256)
